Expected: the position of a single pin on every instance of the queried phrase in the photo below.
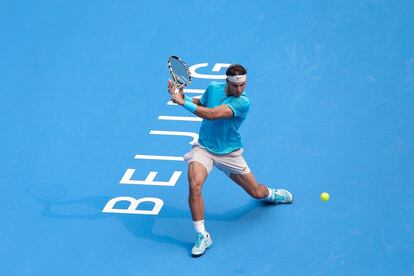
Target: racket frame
(172, 71)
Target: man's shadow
(90, 208)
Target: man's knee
(197, 174)
(195, 186)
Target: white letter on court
(194, 135)
(126, 179)
(217, 67)
(132, 209)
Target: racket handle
(176, 90)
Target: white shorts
(231, 163)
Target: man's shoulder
(239, 103)
(242, 99)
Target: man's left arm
(218, 112)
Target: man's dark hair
(236, 69)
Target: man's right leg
(197, 175)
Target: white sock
(269, 196)
(199, 226)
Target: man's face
(236, 89)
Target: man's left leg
(259, 191)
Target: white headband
(237, 78)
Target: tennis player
(224, 106)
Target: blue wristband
(190, 106)
(188, 99)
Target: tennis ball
(324, 196)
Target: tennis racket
(179, 71)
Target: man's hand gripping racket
(176, 91)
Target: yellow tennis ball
(324, 196)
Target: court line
(159, 157)
(179, 118)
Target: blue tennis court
(92, 176)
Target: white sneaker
(202, 243)
(280, 196)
